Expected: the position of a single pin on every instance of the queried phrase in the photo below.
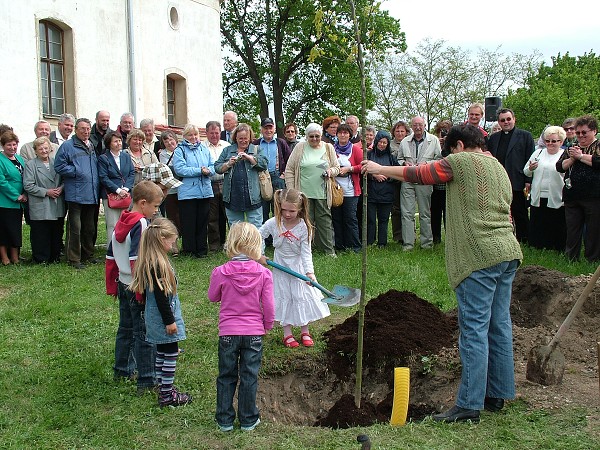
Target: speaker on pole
(492, 105)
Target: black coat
(520, 148)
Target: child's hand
(312, 277)
(172, 328)
(262, 260)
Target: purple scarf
(343, 149)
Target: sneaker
(175, 399)
(251, 427)
(458, 414)
(225, 428)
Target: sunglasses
(581, 133)
(507, 119)
(314, 136)
(569, 128)
(551, 141)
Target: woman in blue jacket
(193, 163)
(241, 163)
(117, 174)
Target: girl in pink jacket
(245, 289)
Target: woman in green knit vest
(482, 256)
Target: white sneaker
(251, 427)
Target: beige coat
(292, 170)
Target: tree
(294, 54)
(570, 87)
(437, 81)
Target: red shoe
(290, 342)
(307, 340)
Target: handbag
(337, 193)
(266, 187)
(115, 201)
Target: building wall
(100, 58)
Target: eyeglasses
(569, 128)
(314, 136)
(290, 131)
(506, 119)
(551, 141)
(581, 133)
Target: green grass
(56, 354)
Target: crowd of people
(492, 192)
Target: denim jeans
(131, 348)
(238, 356)
(254, 216)
(485, 341)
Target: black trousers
(438, 213)
(46, 239)
(519, 208)
(193, 215)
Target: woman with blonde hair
(140, 156)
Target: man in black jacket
(513, 147)
(99, 130)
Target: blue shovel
(340, 296)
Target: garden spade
(545, 363)
(339, 296)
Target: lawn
(56, 355)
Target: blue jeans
(253, 216)
(238, 356)
(131, 348)
(485, 342)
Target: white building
(159, 59)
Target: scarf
(343, 149)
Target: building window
(170, 101)
(176, 99)
(52, 65)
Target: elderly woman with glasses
(581, 191)
(547, 228)
(309, 168)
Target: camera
(238, 157)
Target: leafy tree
(438, 81)
(297, 55)
(570, 87)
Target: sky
(550, 28)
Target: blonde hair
(136, 132)
(146, 190)
(42, 140)
(299, 200)
(190, 129)
(153, 259)
(244, 239)
(560, 131)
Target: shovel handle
(289, 271)
(576, 307)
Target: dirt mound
(397, 326)
(403, 330)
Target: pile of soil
(402, 329)
(397, 326)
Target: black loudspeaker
(492, 105)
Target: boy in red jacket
(131, 348)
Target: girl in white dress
(296, 302)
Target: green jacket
(11, 182)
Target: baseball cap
(161, 174)
(266, 122)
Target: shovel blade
(343, 296)
(545, 365)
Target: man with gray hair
(99, 130)
(217, 220)
(417, 149)
(151, 142)
(352, 122)
(66, 122)
(230, 121)
(76, 161)
(41, 128)
(126, 124)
